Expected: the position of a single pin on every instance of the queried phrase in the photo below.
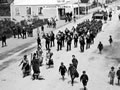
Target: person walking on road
(75, 40)
(74, 61)
(47, 41)
(110, 40)
(14, 31)
(73, 73)
(42, 28)
(84, 79)
(35, 66)
(119, 16)
(74, 18)
(82, 43)
(38, 41)
(52, 39)
(110, 16)
(24, 32)
(59, 41)
(49, 60)
(100, 47)
(25, 66)
(19, 31)
(111, 75)
(118, 75)
(69, 41)
(62, 70)
(4, 40)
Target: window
(17, 11)
(28, 10)
(40, 10)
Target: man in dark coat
(110, 15)
(42, 28)
(24, 32)
(75, 40)
(118, 75)
(31, 30)
(4, 40)
(59, 42)
(52, 39)
(69, 40)
(82, 43)
(62, 70)
(110, 40)
(19, 31)
(88, 42)
(63, 38)
(14, 31)
(35, 65)
(119, 16)
(73, 73)
(84, 79)
(100, 47)
(38, 41)
(74, 61)
(47, 41)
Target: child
(112, 75)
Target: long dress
(35, 65)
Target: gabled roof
(36, 2)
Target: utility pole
(78, 8)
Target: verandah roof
(36, 2)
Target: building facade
(21, 10)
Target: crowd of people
(68, 17)
(36, 61)
(18, 29)
(51, 23)
(9, 28)
(85, 33)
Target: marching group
(84, 33)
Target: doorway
(61, 13)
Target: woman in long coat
(35, 65)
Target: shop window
(28, 10)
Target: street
(96, 65)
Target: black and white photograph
(59, 45)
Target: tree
(84, 1)
(95, 2)
(10, 1)
(3, 1)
